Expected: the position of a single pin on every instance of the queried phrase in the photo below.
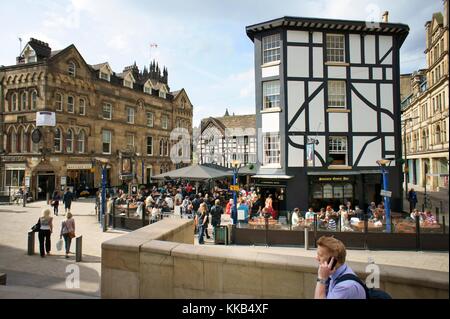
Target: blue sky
(202, 42)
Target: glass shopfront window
(14, 178)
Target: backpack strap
(354, 278)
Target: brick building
(126, 118)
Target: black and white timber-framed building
(335, 82)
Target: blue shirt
(348, 289)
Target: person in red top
(228, 207)
(189, 188)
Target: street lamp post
(235, 164)
(406, 169)
(104, 166)
(387, 200)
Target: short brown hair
(334, 246)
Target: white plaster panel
(369, 49)
(360, 73)
(389, 143)
(388, 73)
(298, 61)
(363, 117)
(320, 149)
(387, 97)
(387, 124)
(337, 72)
(298, 36)
(385, 43)
(270, 122)
(338, 122)
(300, 140)
(377, 73)
(317, 37)
(317, 113)
(368, 91)
(295, 157)
(355, 48)
(296, 97)
(371, 154)
(312, 86)
(299, 125)
(318, 63)
(387, 60)
(271, 71)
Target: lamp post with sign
(235, 164)
(384, 164)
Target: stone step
(21, 292)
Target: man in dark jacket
(216, 216)
(67, 200)
(412, 198)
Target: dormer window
(128, 80)
(128, 84)
(105, 76)
(163, 92)
(72, 70)
(147, 90)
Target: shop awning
(342, 173)
(272, 177)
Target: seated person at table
(309, 216)
(429, 218)
(415, 213)
(359, 213)
(295, 217)
(371, 210)
(331, 223)
(378, 215)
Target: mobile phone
(334, 262)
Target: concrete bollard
(79, 249)
(306, 238)
(31, 243)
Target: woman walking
(202, 222)
(45, 232)
(68, 232)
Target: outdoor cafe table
(359, 226)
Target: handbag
(72, 234)
(36, 227)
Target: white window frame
(149, 138)
(165, 122)
(161, 147)
(337, 94)
(20, 173)
(105, 76)
(81, 141)
(162, 94)
(271, 149)
(128, 84)
(69, 141)
(105, 108)
(271, 95)
(271, 46)
(130, 115)
(150, 119)
(82, 106)
(59, 102)
(335, 48)
(130, 139)
(72, 69)
(106, 140)
(338, 145)
(70, 106)
(58, 147)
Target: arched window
(14, 107)
(424, 140)
(24, 140)
(33, 100)
(34, 146)
(13, 145)
(161, 147)
(57, 142)
(19, 141)
(438, 135)
(23, 101)
(72, 70)
(166, 148)
(82, 107)
(81, 142)
(69, 141)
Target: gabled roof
(235, 121)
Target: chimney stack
(385, 17)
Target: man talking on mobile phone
(331, 255)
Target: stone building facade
(425, 111)
(125, 119)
